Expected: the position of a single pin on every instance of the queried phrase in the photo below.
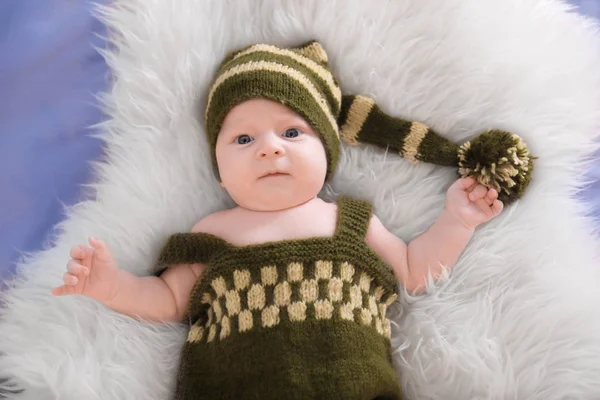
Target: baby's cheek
(243, 192)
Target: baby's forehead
(262, 112)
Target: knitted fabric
(496, 159)
(300, 78)
(293, 319)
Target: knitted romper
(293, 319)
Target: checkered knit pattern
(237, 304)
(296, 319)
(300, 78)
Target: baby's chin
(275, 201)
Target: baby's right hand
(92, 272)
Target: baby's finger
(485, 207)
(497, 207)
(491, 195)
(96, 243)
(69, 279)
(79, 252)
(478, 193)
(101, 249)
(466, 183)
(62, 290)
(76, 269)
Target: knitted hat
(300, 79)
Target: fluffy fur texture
(518, 319)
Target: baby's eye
(243, 139)
(291, 133)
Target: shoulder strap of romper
(354, 216)
(188, 248)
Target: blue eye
(243, 139)
(291, 133)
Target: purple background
(49, 75)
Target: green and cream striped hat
(300, 78)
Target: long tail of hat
(495, 158)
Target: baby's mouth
(273, 174)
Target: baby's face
(269, 158)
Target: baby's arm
(467, 206)
(93, 272)
(159, 299)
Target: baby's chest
(246, 231)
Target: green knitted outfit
(306, 319)
(293, 319)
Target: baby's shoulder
(209, 223)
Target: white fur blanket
(519, 318)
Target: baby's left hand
(471, 203)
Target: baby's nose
(271, 148)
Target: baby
(286, 294)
